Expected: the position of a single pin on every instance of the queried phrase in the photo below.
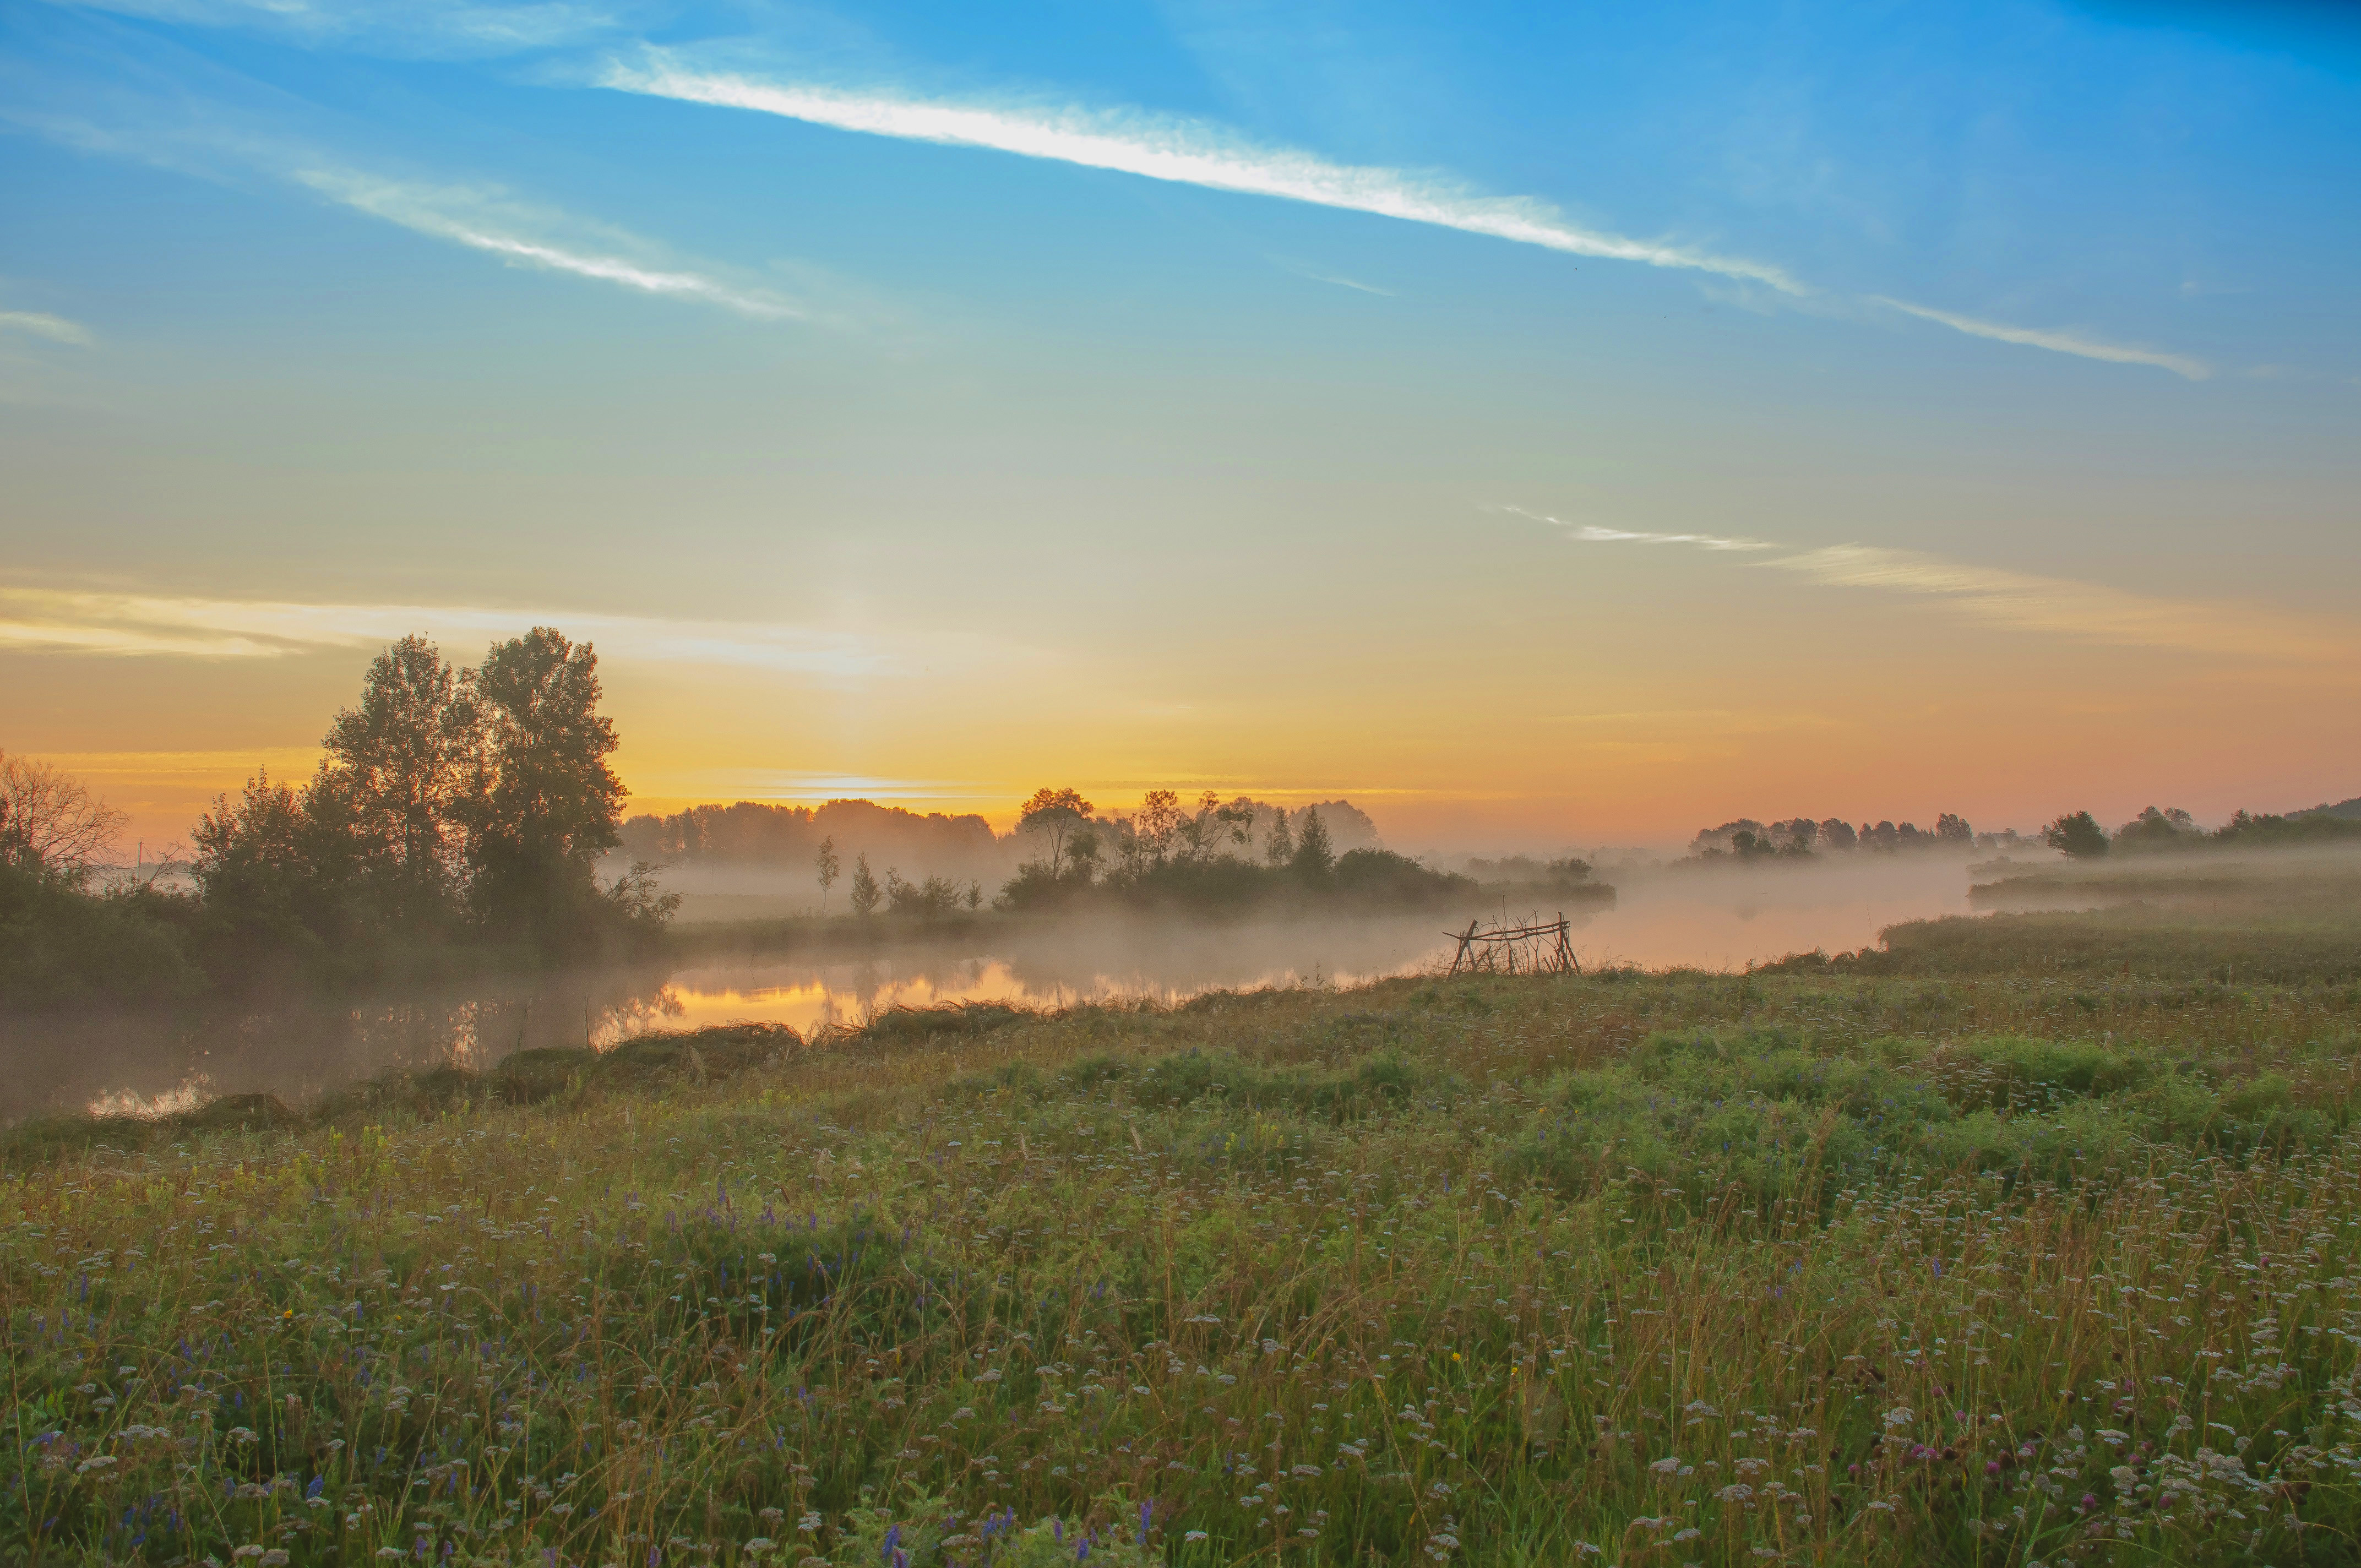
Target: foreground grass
(1983, 1268)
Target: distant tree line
(758, 833)
(458, 815)
(1208, 854)
(1799, 838)
(956, 855)
(2079, 834)
(1523, 870)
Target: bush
(59, 944)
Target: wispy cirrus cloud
(114, 624)
(1306, 270)
(1595, 534)
(1184, 152)
(773, 784)
(39, 323)
(488, 222)
(2024, 601)
(2086, 612)
(1192, 152)
(230, 132)
(434, 29)
(1128, 140)
(2080, 345)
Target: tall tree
(827, 865)
(49, 824)
(402, 758)
(1216, 829)
(1158, 821)
(253, 867)
(544, 803)
(1054, 813)
(1083, 852)
(865, 891)
(1279, 848)
(1314, 856)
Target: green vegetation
(2171, 951)
(455, 825)
(2076, 833)
(2027, 1239)
(1161, 857)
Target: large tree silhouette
(544, 804)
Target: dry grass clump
(1637, 1269)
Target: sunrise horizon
(1527, 429)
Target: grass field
(2004, 1261)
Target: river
(1708, 919)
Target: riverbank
(1552, 1267)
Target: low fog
(1719, 911)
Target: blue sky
(1141, 377)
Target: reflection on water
(1728, 917)
(127, 1061)
(146, 1061)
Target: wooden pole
(1462, 955)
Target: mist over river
(1721, 918)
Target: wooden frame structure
(1535, 948)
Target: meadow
(1982, 1257)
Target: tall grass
(1638, 1270)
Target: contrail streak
(2055, 341)
(1181, 152)
(423, 211)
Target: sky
(1545, 425)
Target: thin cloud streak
(2086, 612)
(1192, 153)
(57, 329)
(752, 783)
(1593, 533)
(480, 219)
(2055, 341)
(1339, 279)
(2083, 611)
(124, 625)
(422, 209)
(1180, 152)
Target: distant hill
(2348, 809)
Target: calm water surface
(140, 1062)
